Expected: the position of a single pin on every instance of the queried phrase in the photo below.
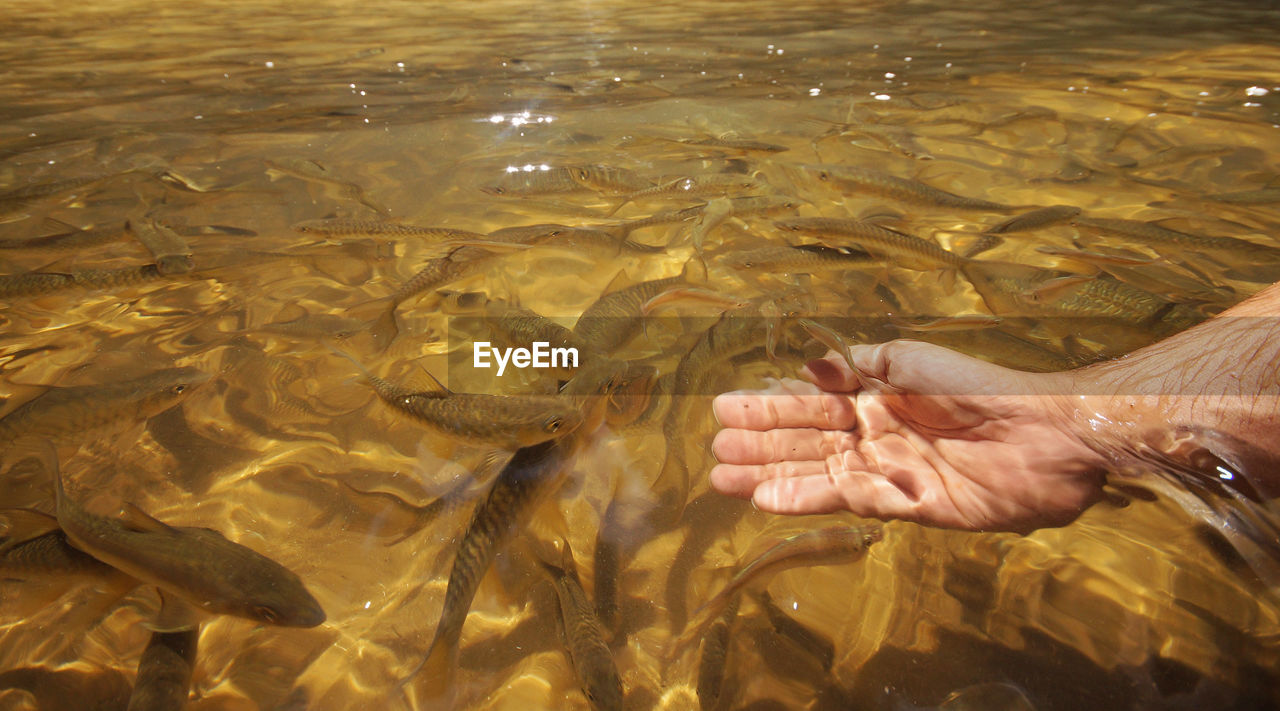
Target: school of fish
(551, 530)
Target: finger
(735, 446)
(786, 404)
(863, 494)
(741, 480)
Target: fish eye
(822, 175)
(178, 389)
(497, 190)
(264, 613)
(553, 424)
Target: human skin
(926, 434)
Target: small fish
(713, 661)
(33, 284)
(61, 412)
(584, 637)
(666, 217)
(862, 180)
(803, 259)
(1035, 219)
(899, 248)
(527, 479)
(510, 422)
(826, 546)
(344, 227)
(197, 565)
(564, 236)
(1157, 236)
(606, 568)
(609, 180)
(1183, 154)
(518, 326)
(319, 325)
(454, 265)
(694, 187)
(164, 672)
(1155, 275)
(312, 171)
(72, 240)
(1096, 258)
(1262, 196)
(737, 144)
(614, 318)
(543, 181)
(172, 255)
(808, 639)
(625, 386)
(894, 138)
(1098, 297)
(458, 263)
(14, 201)
(1002, 285)
(736, 207)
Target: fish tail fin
(385, 329)
(675, 478)
(948, 279)
(694, 271)
(430, 687)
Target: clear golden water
(1135, 112)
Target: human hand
(919, 433)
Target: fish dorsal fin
(619, 282)
(969, 245)
(423, 384)
(694, 271)
(490, 464)
(291, 312)
(136, 519)
(54, 225)
(61, 265)
(879, 214)
(175, 615)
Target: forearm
(1223, 374)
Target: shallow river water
(229, 128)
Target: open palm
(918, 433)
